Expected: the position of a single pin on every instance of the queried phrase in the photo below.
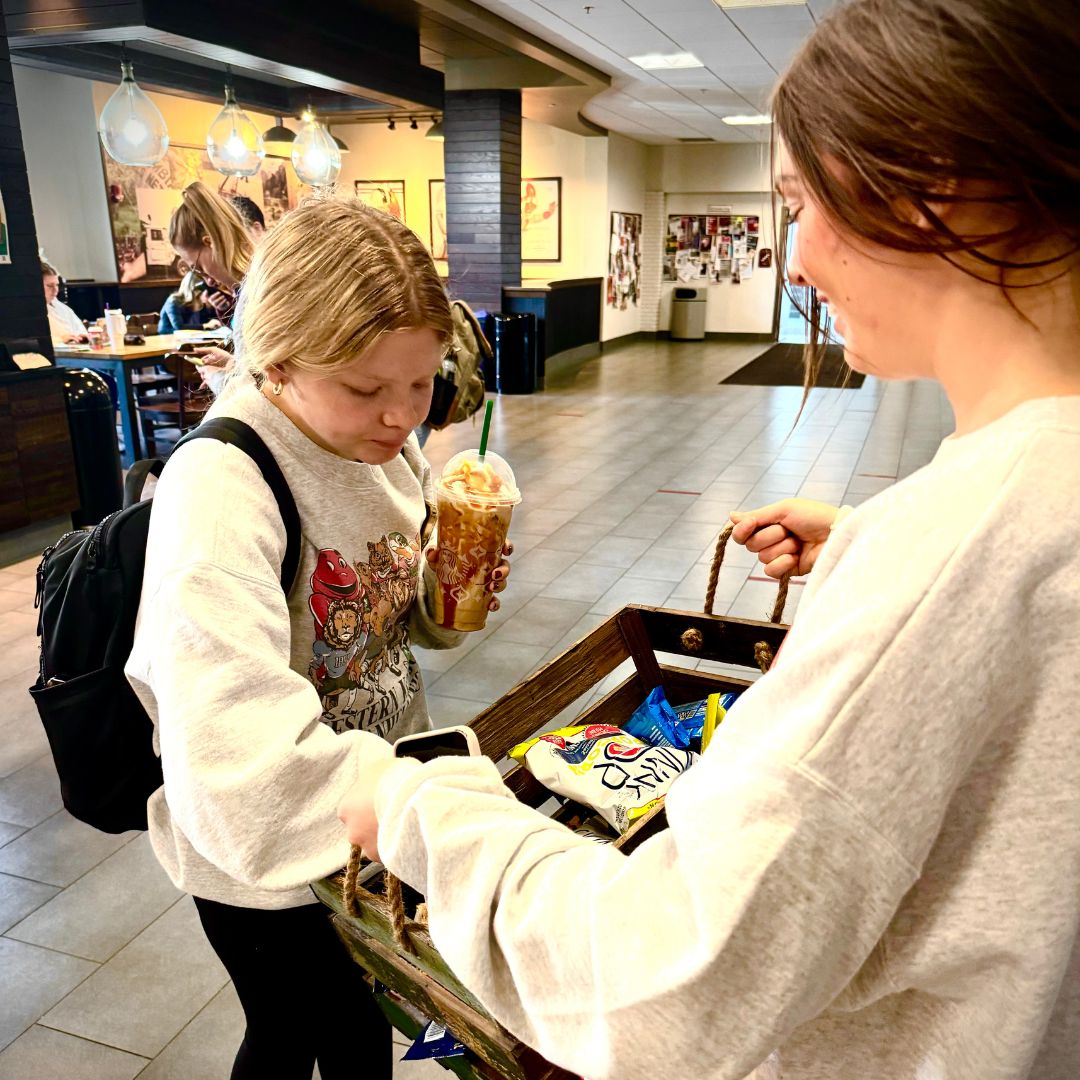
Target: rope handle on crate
(692, 639)
(351, 892)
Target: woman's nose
(796, 274)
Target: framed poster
(624, 259)
(141, 200)
(385, 195)
(541, 219)
(437, 210)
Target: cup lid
(493, 483)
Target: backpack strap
(236, 433)
(137, 476)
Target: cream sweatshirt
(267, 708)
(874, 872)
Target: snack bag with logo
(602, 766)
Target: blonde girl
(268, 706)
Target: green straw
(486, 431)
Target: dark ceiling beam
(153, 72)
(334, 47)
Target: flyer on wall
(5, 240)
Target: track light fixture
(413, 125)
(390, 123)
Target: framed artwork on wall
(385, 195)
(437, 208)
(624, 260)
(141, 201)
(541, 219)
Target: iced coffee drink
(475, 502)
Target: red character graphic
(332, 579)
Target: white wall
(626, 173)
(63, 160)
(549, 151)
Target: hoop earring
(277, 388)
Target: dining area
(158, 391)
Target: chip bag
(658, 723)
(619, 776)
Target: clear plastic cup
(475, 504)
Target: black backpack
(88, 587)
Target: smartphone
(446, 742)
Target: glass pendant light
(233, 142)
(315, 158)
(343, 147)
(131, 127)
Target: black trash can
(515, 354)
(92, 421)
(487, 366)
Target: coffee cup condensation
(475, 503)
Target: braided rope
(763, 655)
(348, 891)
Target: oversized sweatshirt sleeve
(252, 776)
(790, 844)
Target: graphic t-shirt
(267, 707)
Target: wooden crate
(419, 974)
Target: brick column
(482, 155)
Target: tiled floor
(628, 468)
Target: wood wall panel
(482, 155)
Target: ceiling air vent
(698, 139)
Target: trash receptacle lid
(85, 389)
(689, 294)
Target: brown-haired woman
(874, 871)
(268, 706)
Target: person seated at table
(209, 236)
(187, 308)
(254, 218)
(65, 326)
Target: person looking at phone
(267, 706)
(210, 239)
(65, 326)
(873, 872)
(187, 309)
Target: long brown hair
(203, 214)
(908, 97)
(329, 281)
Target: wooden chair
(143, 324)
(179, 408)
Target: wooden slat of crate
(425, 980)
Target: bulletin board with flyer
(713, 247)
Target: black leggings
(304, 999)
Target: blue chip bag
(654, 722)
(659, 723)
(435, 1041)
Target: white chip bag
(601, 766)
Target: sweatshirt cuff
(399, 803)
